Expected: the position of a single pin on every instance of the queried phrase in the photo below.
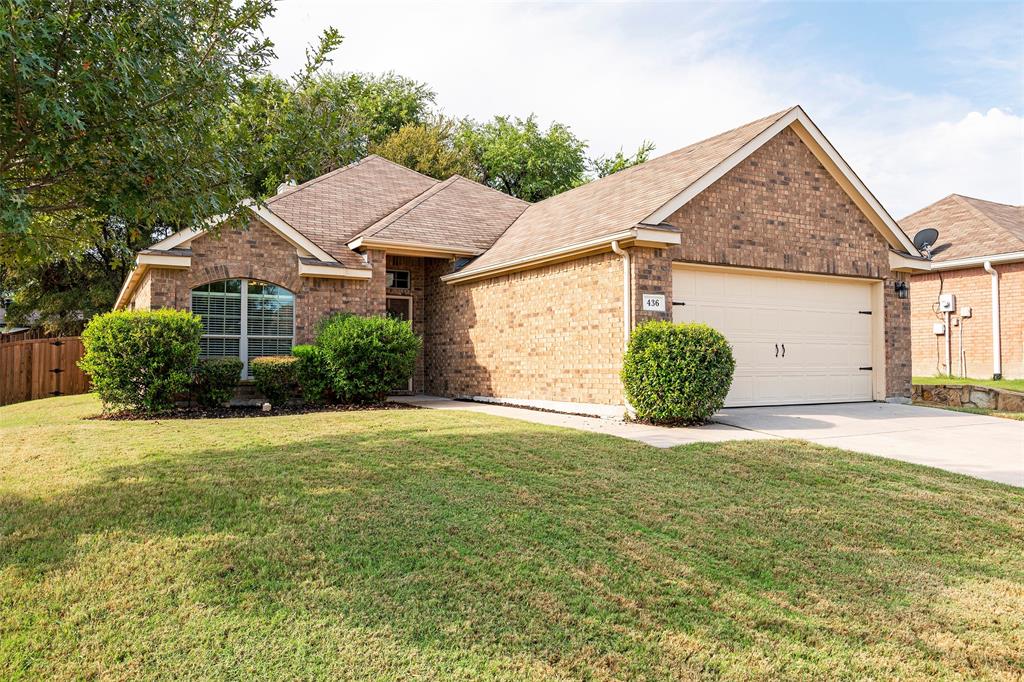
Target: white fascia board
(293, 236)
(129, 285)
(903, 263)
(143, 262)
(332, 272)
(666, 237)
(162, 261)
(268, 217)
(797, 114)
(978, 261)
(420, 248)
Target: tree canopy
(121, 120)
(114, 107)
(433, 148)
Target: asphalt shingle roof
(617, 202)
(970, 227)
(457, 213)
(332, 209)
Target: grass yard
(418, 544)
(1016, 416)
(1008, 384)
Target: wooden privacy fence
(41, 368)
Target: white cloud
(618, 74)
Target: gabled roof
(647, 194)
(332, 209)
(457, 213)
(969, 227)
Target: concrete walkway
(658, 436)
(984, 447)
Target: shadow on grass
(550, 544)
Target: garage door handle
(783, 350)
(776, 350)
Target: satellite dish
(925, 239)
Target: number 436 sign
(654, 302)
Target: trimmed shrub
(368, 357)
(274, 377)
(328, 320)
(214, 380)
(313, 374)
(677, 373)
(141, 359)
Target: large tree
(312, 123)
(517, 157)
(60, 293)
(432, 148)
(114, 108)
(603, 166)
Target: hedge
(368, 357)
(274, 377)
(313, 374)
(677, 373)
(214, 380)
(141, 359)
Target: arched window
(245, 319)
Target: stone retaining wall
(970, 396)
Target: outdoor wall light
(902, 289)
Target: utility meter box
(966, 312)
(939, 328)
(947, 303)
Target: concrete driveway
(986, 447)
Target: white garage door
(796, 340)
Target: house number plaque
(654, 302)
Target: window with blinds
(244, 319)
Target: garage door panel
(827, 339)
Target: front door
(400, 308)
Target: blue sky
(922, 99)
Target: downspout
(627, 298)
(997, 361)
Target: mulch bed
(237, 412)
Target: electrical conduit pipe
(997, 361)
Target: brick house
(979, 259)
(762, 231)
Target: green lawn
(1009, 384)
(447, 545)
(1016, 416)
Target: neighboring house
(972, 233)
(763, 232)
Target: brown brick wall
(417, 287)
(260, 253)
(781, 210)
(972, 287)
(552, 333)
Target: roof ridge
(966, 201)
(769, 120)
(986, 201)
(405, 208)
(403, 167)
(309, 183)
(337, 171)
(493, 189)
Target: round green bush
(141, 359)
(313, 374)
(274, 377)
(214, 380)
(368, 357)
(677, 373)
